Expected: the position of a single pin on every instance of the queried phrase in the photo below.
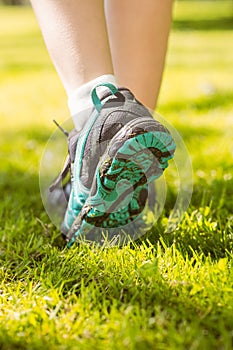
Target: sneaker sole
(137, 155)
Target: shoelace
(72, 138)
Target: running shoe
(120, 150)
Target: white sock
(80, 103)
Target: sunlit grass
(172, 291)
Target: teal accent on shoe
(74, 207)
(71, 242)
(106, 200)
(79, 192)
(95, 98)
(136, 152)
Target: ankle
(80, 102)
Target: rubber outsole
(135, 157)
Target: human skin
(90, 38)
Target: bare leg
(138, 34)
(76, 37)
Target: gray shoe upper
(117, 111)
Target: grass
(170, 291)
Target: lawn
(171, 290)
